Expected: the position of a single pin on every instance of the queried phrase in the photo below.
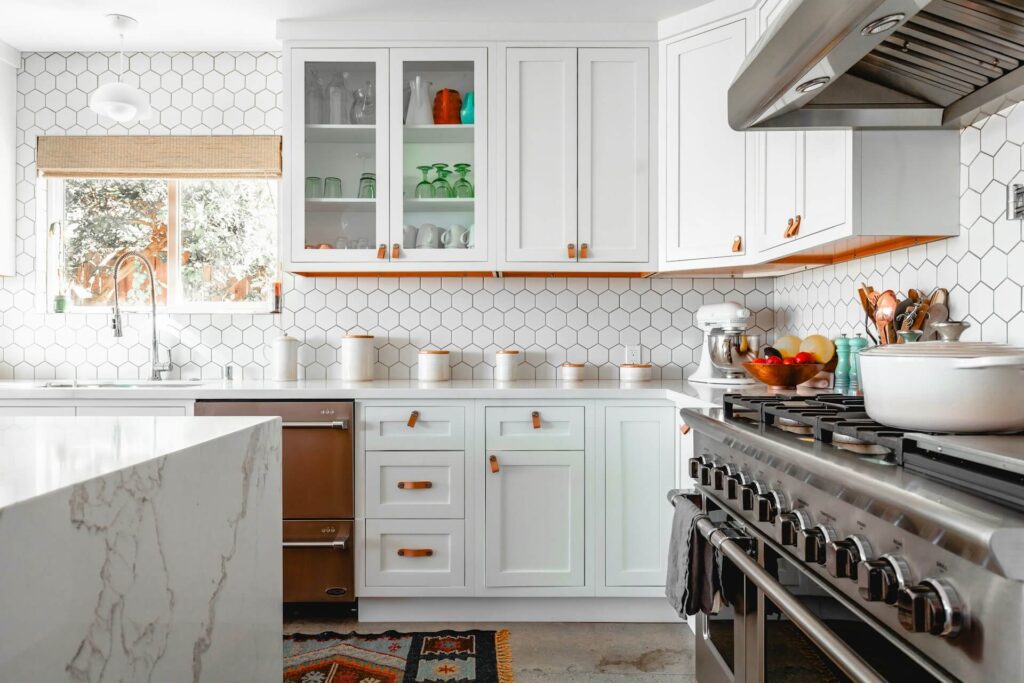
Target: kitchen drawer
(417, 484)
(516, 428)
(434, 428)
(415, 552)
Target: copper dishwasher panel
(323, 570)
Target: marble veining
(164, 566)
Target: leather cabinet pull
(395, 250)
(382, 251)
(684, 429)
(535, 416)
(415, 485)
(572, 250)
(415, 552)
(796, 226)
(583, 250)
(413, 416)
(494, 464)
(737, 244)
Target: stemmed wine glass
(462, 187)
(424, 190)
(442, 190)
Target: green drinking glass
(424, 190)
(462, 187)
(442, 190)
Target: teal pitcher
(466, 113)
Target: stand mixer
(727, 346)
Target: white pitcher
(283, 359)
(420, 112)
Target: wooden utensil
(885, 313)
(921, 316)
(939, 296)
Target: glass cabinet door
(339, 192)
(438, 154)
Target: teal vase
(466, 113)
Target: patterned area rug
(393, 657)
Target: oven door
(786, 652)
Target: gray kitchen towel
(677, 582)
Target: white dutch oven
(945, 386)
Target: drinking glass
(314, 188)
(370, 105)
(368, 186)
(424, 190)
(442, 190)
(332, 188)
(462, 186)
(314, 99)
(358, 113)
(337, 101)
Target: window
(201, 209)
(212, 243)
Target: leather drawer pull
(413, 416)
(494, 464)
(382, 251)
(395, 250)
(536, 419)
(572, 251)
(415, 552)
(684, 429)
(415, 484)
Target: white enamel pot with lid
(967, 387)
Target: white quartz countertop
(40, 455)
(676, 390)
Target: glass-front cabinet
(390, 170)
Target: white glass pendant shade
(120, 102)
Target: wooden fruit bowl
(785, 376)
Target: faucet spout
(156, 367)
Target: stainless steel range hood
(882, 64)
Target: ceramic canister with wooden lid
(433, 366)
(357, 358)
(506, 365)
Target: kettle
(283, 359)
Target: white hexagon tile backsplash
(983, 267)
(553, 320)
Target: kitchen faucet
(156, 366)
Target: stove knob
(769, 505)
(931, 606)
(790, 525)
(694, 464)
(734, 483)
(842, 557)
(705, 474)
(810, 543)
(749, 493)
(719, 475)
(881, 580)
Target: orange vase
(447, 104)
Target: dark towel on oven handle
(694, 579)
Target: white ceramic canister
(433, 366)
(573, 372)
(357, 357)
(284, 359)
(635, 372)
(506, 365)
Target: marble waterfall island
(140, 549)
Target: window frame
(51, 210)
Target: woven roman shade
(159, 156)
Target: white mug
(284, 359)
(428, 237)
(469, 238)
(455, 237)
(409, 236)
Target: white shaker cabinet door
(826, 180)
(534, 526)
(614, 155)
(779, 175)
(710, 180)
(541, 155)
(639, 469)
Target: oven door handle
(339, 544)
(336, 424)
(821, 635)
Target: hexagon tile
(983, 267)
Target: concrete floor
(558, 653)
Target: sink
(122, 384)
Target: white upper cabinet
(614, 155)
(709, 168)
(578, 159)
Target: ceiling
(60, 25)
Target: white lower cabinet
(534, 518)
(415, 552)
(639, 464)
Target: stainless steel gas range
(851, 551)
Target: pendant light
(120, 101)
